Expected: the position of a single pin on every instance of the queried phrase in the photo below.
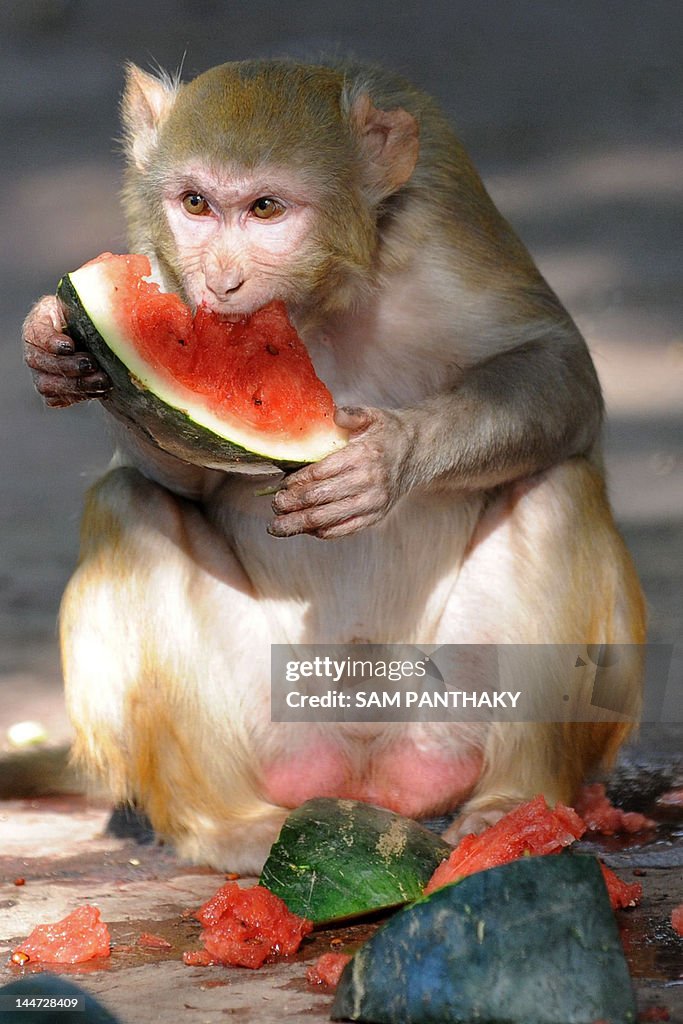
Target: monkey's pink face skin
(237, 238)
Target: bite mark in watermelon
(209, 390)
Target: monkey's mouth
(231, 316)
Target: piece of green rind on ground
(167, 427)
(338, 859)
(531, 942)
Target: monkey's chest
(388, 584)
(416, 776)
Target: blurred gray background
(573, 112)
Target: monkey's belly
(404, 778)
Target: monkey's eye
(266, 208)
(196, 204)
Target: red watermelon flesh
(327, 969)
(258, 368)
(78, 937)
(532, 829)
(245, 927)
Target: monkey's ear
(146, 103)
(389, 143)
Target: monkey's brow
(230, 186)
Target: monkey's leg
(163, 645)
(547, 567)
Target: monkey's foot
(475, 820)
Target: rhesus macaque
(469, 506)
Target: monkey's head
(260, 181)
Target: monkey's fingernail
(94, 385)
(85, 365)
(65, 347)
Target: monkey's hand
(352, 488)
(61, 374)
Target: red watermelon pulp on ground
(532, 829)
(80, 936)
(208, 390)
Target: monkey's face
(240, 240)
(262, 181)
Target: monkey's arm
(508, 417)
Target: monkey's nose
(231, 289)
(224, 284)
(221, 291)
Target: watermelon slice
(210, 391)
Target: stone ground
(573, 112)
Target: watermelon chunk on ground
(532, 828)
(600, 814)
(621, 894)
(78, 937)
(245, 927)
(327, 969)
(677, 919)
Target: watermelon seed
(181, 341)
(272, 350)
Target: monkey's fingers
(303, 490)
(332, 465)
(60, 391)
(61, 375)
(338, 519)
(472, 823)
(69, 364)
(329, 508)
(65, 379)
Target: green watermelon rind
(339, 859)
(167, 421)
(534, 941)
